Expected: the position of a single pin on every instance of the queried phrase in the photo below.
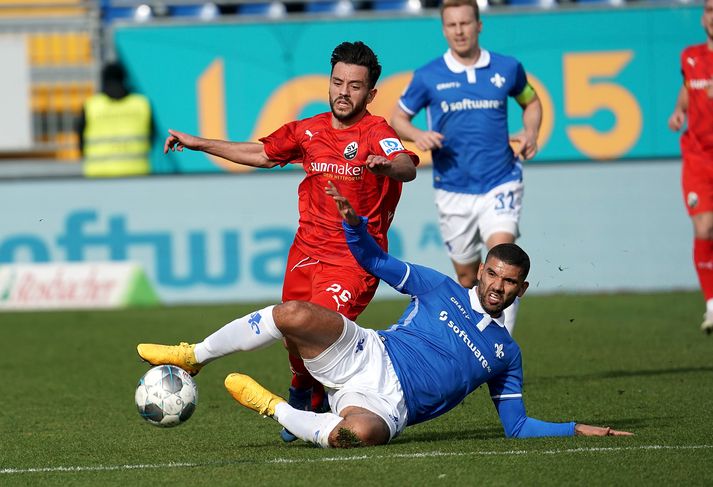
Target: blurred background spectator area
(63, 44)
(60, 42)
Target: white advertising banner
(225, 238)
(71, 286)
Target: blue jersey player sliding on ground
(449, 341)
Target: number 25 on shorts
(340, 295)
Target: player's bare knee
(291, 315)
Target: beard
(493, 310)
(357, 108)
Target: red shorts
(347, 289)
(697, 182)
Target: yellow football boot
(252, 395)
(181, 355)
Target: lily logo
(498, 80)
(254, 321)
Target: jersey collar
(456, 67)
(487, 319)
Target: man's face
(707, 18)
(498, 285)
(349, 92)
(461, 29)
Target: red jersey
(338, 155)
(697, 68)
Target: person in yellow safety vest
(115, 129)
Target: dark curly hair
(360, 54)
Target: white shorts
(468, 220)
(356, 371)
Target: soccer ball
(166, 396)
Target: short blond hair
(459, 3)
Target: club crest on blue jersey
(391, 145)
(351, 150)
(499, 350)
(498, 80)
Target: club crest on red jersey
(692, 199)
(351, 150)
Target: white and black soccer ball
(166, 396)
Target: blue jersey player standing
(448, 342)
(476, 175)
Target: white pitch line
(96, 468)
(106, 468)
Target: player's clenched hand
(178, 140)
(343, 206)
(525, 145)
(676, 120)
(429, 140)
(587, 430)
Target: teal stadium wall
(608, 77)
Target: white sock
(306, 425)
(510, 315)
(250, 332)
(709, 306)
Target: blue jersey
(468, 105)
(445, 346)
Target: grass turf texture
(633, 362)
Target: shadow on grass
(616, 374)
(486, 433)
(494, 433)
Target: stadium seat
(410, 6)
(614, 3)
(43, 8)
(339, 8)
(272, 9)
(138, 13)
(532, 3)
(203, 11)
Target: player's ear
(524, 287)
(372, 94)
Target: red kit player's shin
(703, 260)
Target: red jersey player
(367, 162)
(695, 101)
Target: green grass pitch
(635, 362)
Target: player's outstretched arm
(363, 246)
(246, 153)
(344, 208)
(517, 424)
(588, 430)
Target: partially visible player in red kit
(367, 162)
(695, 102)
